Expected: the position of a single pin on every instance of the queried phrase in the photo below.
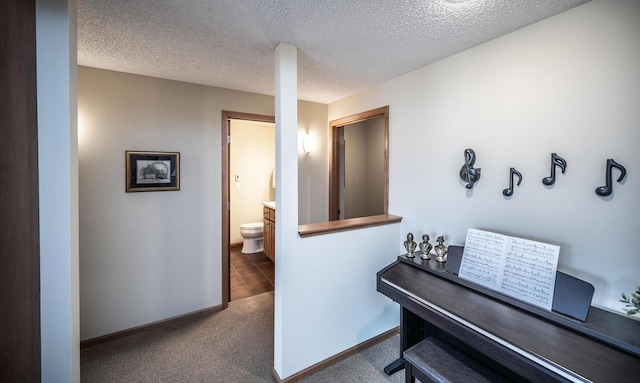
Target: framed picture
(152, 171)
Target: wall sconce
(307, 143)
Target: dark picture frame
(152, 171)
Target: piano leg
(394, 366)
(412, 331)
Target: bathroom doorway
(248, 166)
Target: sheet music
(517, 267)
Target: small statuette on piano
(441, 250)
(410, 245)
(425, 247)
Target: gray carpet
(365, 366)
(233, 345)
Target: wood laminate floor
(250, 274)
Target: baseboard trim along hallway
(336, 358)
(146, 327)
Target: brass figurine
(426, 247)
(441, 250)
(410, 245)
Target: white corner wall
(327, 286)
(325, 298)
(567, 84)
(58, 180)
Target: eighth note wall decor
(606, 190)
(512, 173)
(556, 161)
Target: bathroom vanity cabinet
(269, 232)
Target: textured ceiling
(343, 46)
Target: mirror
(359, 165)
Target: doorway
(229, 181)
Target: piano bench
(436, 361)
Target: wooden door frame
(225, 141)
(334, 156)
(20, 336)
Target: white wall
(58, 179)
(567, 84)
(150, 256)
(313, 168)
(327, 285)
(252, 156)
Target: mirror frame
(334, 160)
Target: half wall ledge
(346, 224)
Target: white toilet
(253, 240)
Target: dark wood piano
(521, 341)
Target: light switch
(237, 185)
(237, 177)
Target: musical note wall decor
(468, 173)
(606, 190)
(512, 173)
(556, 161)
(471, 175)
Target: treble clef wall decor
(606, 190)
(512, 172)
(558, 161)
(468, 173)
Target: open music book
(520, 268)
